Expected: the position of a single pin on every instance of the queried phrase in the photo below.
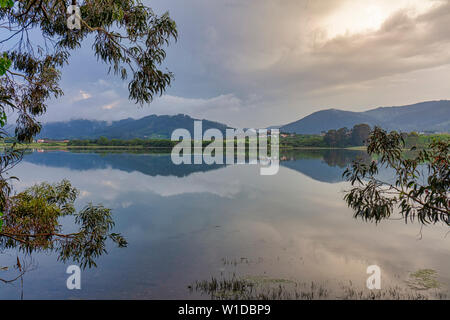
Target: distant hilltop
(431, 116)
(150, 127)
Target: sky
(258, 63)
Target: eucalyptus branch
(416, 195)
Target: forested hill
(432, 116)
(148, 127)
(426, 116)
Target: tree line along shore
(332, 139)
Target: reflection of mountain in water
(148, 164)
(321, 165)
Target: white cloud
(82, 95)
(111, 106)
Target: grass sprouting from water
(423, 279)
(265, 288)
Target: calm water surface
(189, 223)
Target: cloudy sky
(255, 63)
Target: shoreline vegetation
(287, 142)
(99, 147)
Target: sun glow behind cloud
(237, 60)
(362, 16)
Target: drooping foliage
(128, 36)
(35, 44)
(32, 223)
(419, 189)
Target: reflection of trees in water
(342, 159)
(323, 165)
(162, 165)
(332, 157)
(156, 164)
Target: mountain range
(153, 126)
(426, 116)
(433, 116)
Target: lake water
(190, 223)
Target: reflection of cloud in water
(109, 183)
(297, 227)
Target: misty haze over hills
(431, 116)
(152, 126)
